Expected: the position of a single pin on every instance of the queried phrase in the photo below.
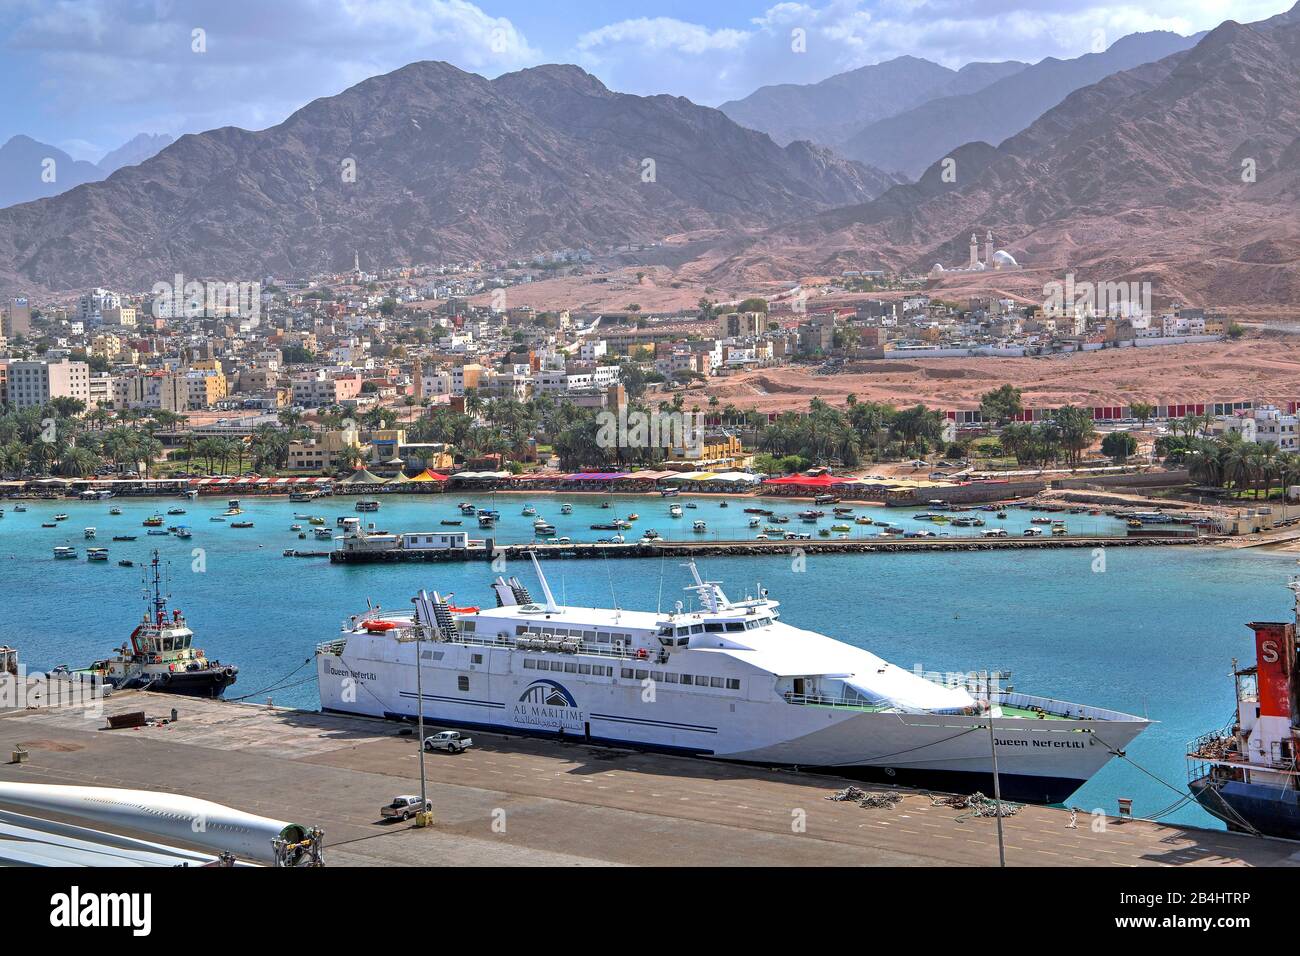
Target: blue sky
(86, 75)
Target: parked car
(452, 741)
(404, 806)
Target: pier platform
(750, 547)
(520, 801)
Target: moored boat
(734, 682)
(162, 657)
(1246, 774)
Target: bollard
(19, 755)
(175, 714)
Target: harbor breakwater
(681, 549)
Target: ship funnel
(521, 593)
(504, 592)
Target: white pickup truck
(404, 806)
(452, 741)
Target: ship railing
(558, 647)
(824, 700)
(334, 647)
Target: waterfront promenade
(521, 801)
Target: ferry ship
(728, 680)
(1246, 774)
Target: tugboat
(162, 657)
(1246, 773)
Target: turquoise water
(1153, 634)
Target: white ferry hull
(1040, 761)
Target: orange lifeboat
(379, 627)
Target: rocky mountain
(427, 163)
(33, 170)
(1181, 172)
(136, 150)
(834, 109)
(910, 140)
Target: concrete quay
(518, 801)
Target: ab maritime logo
(547, 692)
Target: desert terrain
(1262, 366)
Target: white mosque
(1000, 260)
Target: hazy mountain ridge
(832, 110)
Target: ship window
(735, 626)
(701, 681)
(733, 683)
(715, 682)
(671, 679)
(476, 658)
(642, 675)
(683, 641)
(713, 627)
(584, 668)
(530, 665)
(462, 683)
(602, 638)
(665, 631)
(626, 672)
(588, 635)
(656, 675)
(697, 628)
(521, 629)
(570, 668)
(686, 679)
(466, 625)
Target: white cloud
(664, 33)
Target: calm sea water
(1153, 634)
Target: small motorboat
(158, 532)
(115, 511)
(295, 527)
(323, 534)
(154, 521)
(723, 504)
(451, 524)
(60, 517)
(124, 563)
(20, 509)
(529, 512)
(176, 511)
(699, 527)
(316, 520)
(241, 524)
(675, 511)
(89, 534)
(566, 509)
(49, 524)
(221, 518)
(650, 535)
(123, 537)
(183, 533)
(97, 554)
(466, 508)
(632, 517)
(690, 504)
(368, 505)
(63, 553)
(754, 522)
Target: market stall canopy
(824, 480)
(362, 477)
(429, 475)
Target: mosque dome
(1004, 260)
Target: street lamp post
(997, 784)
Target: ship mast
(159, 602)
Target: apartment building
(32, 384)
